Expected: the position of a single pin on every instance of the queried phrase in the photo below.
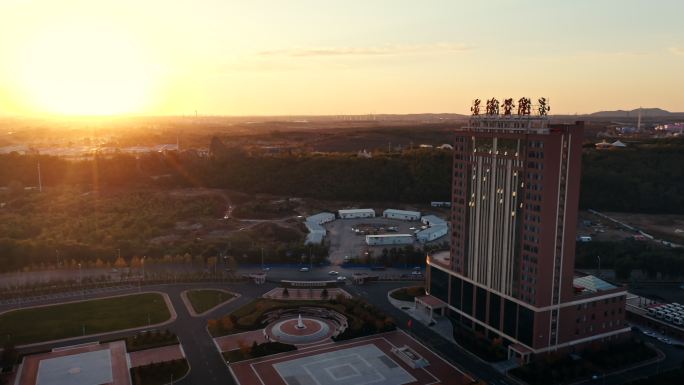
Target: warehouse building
(432, 233)
(401, 214)
(432, 220)
(316, 233)
(321, 218)
(356, 213)
(389, 239)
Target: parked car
(341, 278)
(332, 272)
(304, 269)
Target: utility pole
(80, 280)
(599, 265)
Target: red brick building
(510, 272)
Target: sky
(274, 57)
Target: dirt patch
(661, 226)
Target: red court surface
(119, 366)
(262, 371)
(149, 356)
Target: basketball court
(364, 361)
(91, 364)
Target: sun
(86, 70)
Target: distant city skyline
(334, 58)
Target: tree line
(646, 177)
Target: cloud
(679, 51)
(368, 51)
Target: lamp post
(80, 279)
(599, 265)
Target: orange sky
(272, 57)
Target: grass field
(205, 299)
(73, 319)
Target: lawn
(205, 299)
(73, 319)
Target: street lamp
(599, 265)
(80, 279)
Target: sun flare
(86, 70)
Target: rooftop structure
(401, 214)
(321, 218)
(389, 239)
(432, 233)
(316, 233)
(356, 213)
(432, 220)
(592, 284)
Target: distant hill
(645, 112)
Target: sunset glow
(307, 57)
(102, 72)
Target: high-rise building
(510, 271)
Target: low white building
(316, 233)
(401, 214)
(321, 218)
(432, 233)
(440, 204)
(356, 213)
(432, 220)
(389, 239)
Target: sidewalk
(441, 326)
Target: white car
(304, 269)
(341, 278)
(332, 272)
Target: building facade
(389, 239)
(510, 272)
(356, 213)
(401, 214)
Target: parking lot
(344, 241)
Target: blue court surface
(358, 365)
(92, 368)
